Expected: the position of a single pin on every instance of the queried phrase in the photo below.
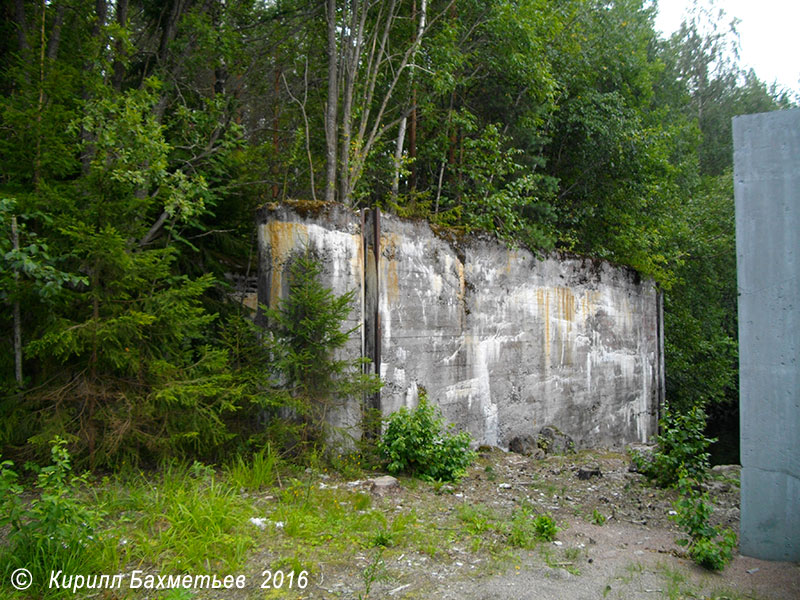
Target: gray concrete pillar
(767, 190)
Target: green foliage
(527, 529)
(383, 538)
(682, 447)
(308, 326)
(56, 530)
(307, 337)
(256, 472)
(709, 546)
(598, 518)
(545, 528)
(700, 309)
(476, 518)
(32, 260)
(374, 572)
(191, 521)
(521, 532)
(416, 442)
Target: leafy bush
(714, 554)
(545, 528)
(415, 442)
(598, 518)
(521, 532)
(55, 531)
(709, 546)
(682, 445)
(526, 529)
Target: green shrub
(714, 555)
(521, 531)
(682, 444)
(545, 528)
(415, 442)
(526, 530)
(709, 546)
(598, 518)
(54, 531)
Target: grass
(477, 518)
(566, 560)
(255, 473)
(675, 582)
(196, 518)
(188, 520)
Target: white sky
(769, 33)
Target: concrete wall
(767, 188)
(502, 341)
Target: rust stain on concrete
(282, 238)
(547, 329)
(566, 303)
(389, 244)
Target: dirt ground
(631, 555)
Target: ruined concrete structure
(504, 342)
(767, 190)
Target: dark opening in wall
(723, 424)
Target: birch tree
(366, 70)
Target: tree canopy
(139, 137)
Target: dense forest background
(138, 137)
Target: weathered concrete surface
(767, 189)
(506, 343)
(502, 341)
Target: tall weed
(257, 472)
(191, 521)
(56, 530)
(709, 546)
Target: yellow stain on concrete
(566, 303)
(392, 282)
(389, 245)
(590, 299)
(462, 281)
(540, 293)
(357, 260)
(566, 316)
(282, 238)
(547, 329)
(511, 260)
(251, 301)
(557, 323)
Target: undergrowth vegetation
(681, 460)
(709, 546)
(681, 448)
(57, 529)
(202, 519)
(416, 442)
